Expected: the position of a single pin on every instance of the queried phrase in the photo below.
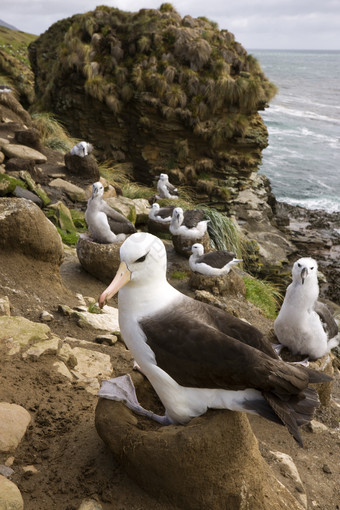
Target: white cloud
(290, 24)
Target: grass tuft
(264, 295)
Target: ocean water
(302, 160)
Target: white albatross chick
(81, 149)
(178, 226)
(304, 325)
(165, 189)
(105, 224)
(214, 263)
(197, 356)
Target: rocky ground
(53, 359)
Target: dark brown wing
(118, 223)
(192, 217)
(216, 259)
(171, 189)
(197, 354)
(327, 319)
(165, 212)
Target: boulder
(212, 462)
(29, 137)
(183, 245)
(100, 260)
(75, 193)
(23, 152)
(14, 421)
(10, 496)
(230, 284)
(25, 229)
(83, 166)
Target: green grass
(264, 295)
(224, 233)
(15, 43)
(53, 134)
(179, 275)
(94, 308)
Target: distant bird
(5, 89)
(214, 263)
(305, 325)
(161, 214)
(81, 149)
(189, 225)
(165, 189)
(104, 223)
(196, 356)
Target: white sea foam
(306, 114)
(325, 204)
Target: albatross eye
(141, 259)
(311, 268)
(299, 265)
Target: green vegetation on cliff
(15, 69)
(163, 92)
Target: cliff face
(166, 93)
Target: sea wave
(302, 132)
(325, 204)
(306, 114)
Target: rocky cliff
(166, 93)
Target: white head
(177, 216)
(197, 249)
(97, 189)
(155, 207)
(304, 268)
(143, 261)
(164, 177)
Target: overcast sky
(256, 24)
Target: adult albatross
(189, 224)
(213, 263)
(304, 324)
(105, 224)
(197, 356)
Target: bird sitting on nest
(189, 225)
(105, 224)
(195, 355)
(165, 189)
(305, 325)
(161, 214)
(82, 149)
(213, 263)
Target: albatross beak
(123, 276)
(304, 274)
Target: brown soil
(62, 442)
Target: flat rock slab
(21, 330)
(22, 151)
(14, 421)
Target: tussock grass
(263, 294)
(224, 233)
(53, 134)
